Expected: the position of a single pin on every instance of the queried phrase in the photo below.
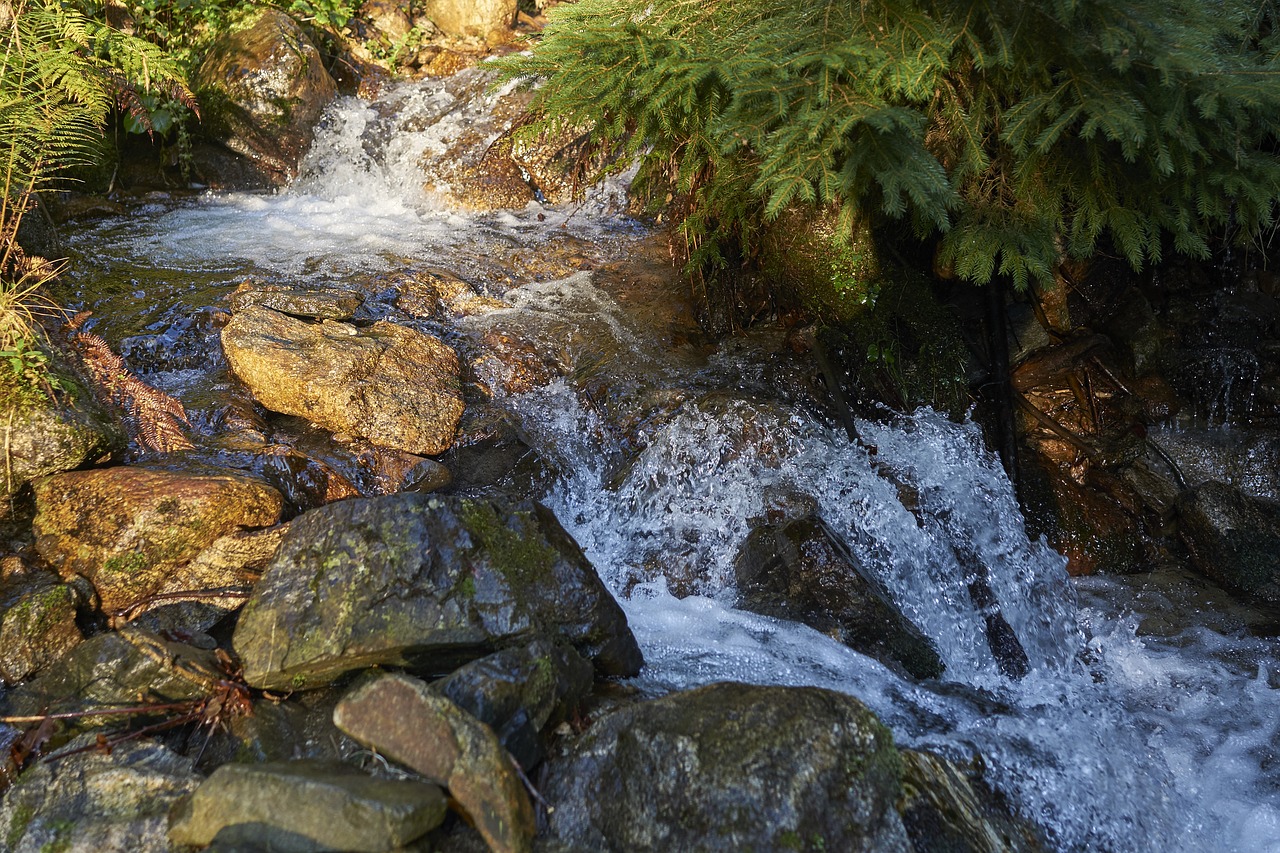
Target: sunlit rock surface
(470, 17)
(37, 623)
(97, 801)
(393, 385)
(262, 89)
(128, 529)
(42, 437)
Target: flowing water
(1149, 719)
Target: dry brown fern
(154, 418)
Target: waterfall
(1120, 737)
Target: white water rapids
(1127, 735)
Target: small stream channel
(1149, 720)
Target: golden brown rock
(397, 387)
(129, 529)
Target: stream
(1149, 720)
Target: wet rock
(306, 806)
(303, 479)
(731, 767)
(300, 728)
(1096, 524)
(467, 170)
(521, 692)
(262, 88)
(314, 304)
(223, 573)
(944, 813)
(1233, 538)
(37, 624)
(42, 437)
(799, 570)
(470, 17)
(114, 669)
(507, 363)
(396, 471)
(129, 529)
(403, 719)
(441, 295)
(95, 801)
(423, 581)
(393, 385)
(491, 457)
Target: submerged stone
(731, 767)
(799, 570)
(426, 582)
(306, 806)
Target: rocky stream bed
(472, 538)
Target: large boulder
(128, 529)
(403, 719)
(397, 387)
(262, 88)
(427, 582)
(731, 767)
(306, 806)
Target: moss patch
(521, 559)
(130, 563)
(18, 824)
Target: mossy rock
(427, 582)
(43, 435)
(731, 767)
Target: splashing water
(1117, 739)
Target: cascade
(1119, 737)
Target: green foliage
(330, 14)
(1021, 131)
(61, 75)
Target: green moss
(129, 563)
(298, 681)
(18, 824)
(468, 587)
(61, 840)
(522, 560)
